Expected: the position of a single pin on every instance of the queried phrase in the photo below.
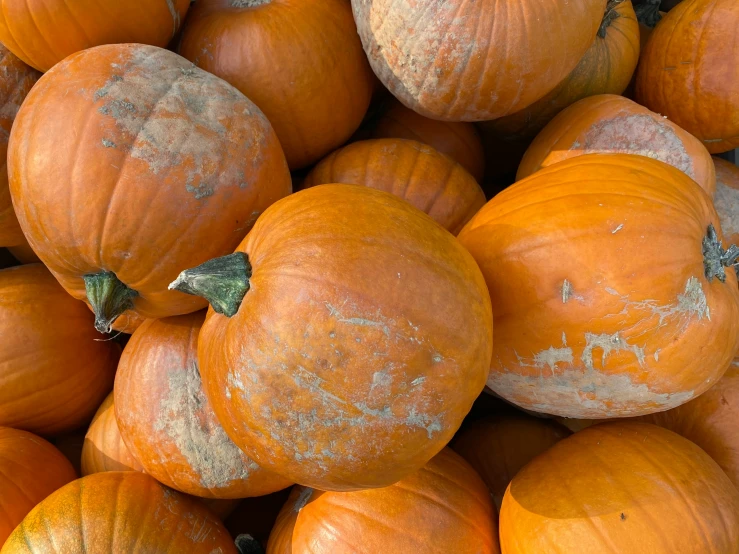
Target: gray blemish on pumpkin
(693, 300)
(553, 356)
(248, 3)
(606, 344)
(360, 321)
(726, 201)
(418, 381)
(617, 229)
(175, 16)
(108, 143)
(656, 355)
(302, 499)
(566, 291)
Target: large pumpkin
(610, 124)
(621, 487)
(689, 71)
(360, 336)
(119, 511)
(443, 507)
(54, 368)
(726, 199)
(167, 422)
(300, 62)
(149, 166)
(30, 470)
(430, 181)
(608, 284)
(44, 32)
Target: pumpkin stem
(109, 298)
(715, 258)
(609, 17)
(647, 12)
(223, 282)
(246, 544)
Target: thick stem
(246, 544)
(109, 298)
(715, 258)
(223, 282)
(610, 16)
(647, 12)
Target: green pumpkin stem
(109, 298)
(609, 17)
(246, 544)
(647, 12)
(715, 258)
(223, 282)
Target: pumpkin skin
(726, 199)
(444, 60)
(119, 511)
(687, 71)
(53, 376)
(43, 33)
(498, 447)
(609, 124)
(595, 316)
(363, 382)
(167, 422)
(430, 181)
(319, 95)
(23, 252)
(144, 128)
(621, 487)
(443, 507)
(30, 470)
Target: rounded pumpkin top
(726, 199)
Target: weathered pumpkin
(300, 62)
(119, 511)
(30, 470)
(609, 124)
(391, 349)
(43, 33)
(432, 182)
(621, 487)
(726, 199)
(443, 507)
(688, 71)
(156, 166)
(54, 369)
(608, 282)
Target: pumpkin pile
(404, 276)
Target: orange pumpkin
(726, 199)
(54, 369)
(157, 166)
(23, 251)
(430, 181)
(443, 507)
(394, 350)
(30, 470)
(621, 487)
(43, 33)
(300, 62)
(610, 124)
(119, 511)
(688, 71)
(608, 282)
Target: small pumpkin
(430, 181)
(726, 199)
(119, 511)
(394, 349)
(621, 487)
(608, 278)
(157, 166)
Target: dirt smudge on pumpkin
(726, 201)
(553, 356)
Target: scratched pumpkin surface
(726, 199)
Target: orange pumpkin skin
(688, 71)
(621, 487)
(30, 470)
(430, 181)
(23, 251)
(167, 422)
(52, 376)
(362, 382)
(43, 33)
(726, 199)
(443, 507)
(602, 304)
(323, 86)
(498, 447)
(143, 128)
(609, 124)
(119, 511)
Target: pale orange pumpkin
(726, 199)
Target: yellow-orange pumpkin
(726, 199)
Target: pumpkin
(43, 33)
(430, 181)
(688, 71)
(498, 447)
(167, 422)
(394, 350)
(256, 516)
(119, 511)
(444, 60)
(610, 124)
(54, 369)
(443, 507)
(30, 470)
(726, 199)
(157, 166)
(621, 487)
(23, 252)
(313, 82)
(607, 277)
